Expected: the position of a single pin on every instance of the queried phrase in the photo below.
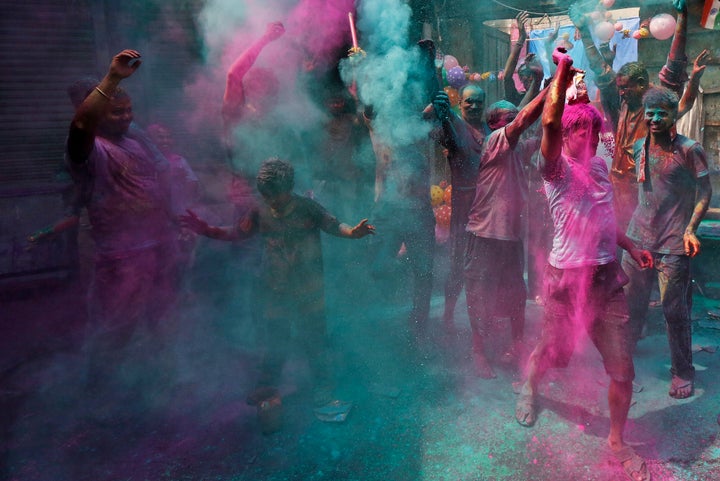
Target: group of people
(649, 204)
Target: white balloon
(604, 31)
(662, 26)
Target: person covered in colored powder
(291, 273)
(621, 95)
(127, 197)
(495, 260)
(674, 195)
(583, 280)
(530, 71)
(463, 136)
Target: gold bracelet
(102, 93)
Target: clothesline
(562, 12)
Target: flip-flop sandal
(633, 465)
(677, 384)
(526, 411)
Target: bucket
(269, 412)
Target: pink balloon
(604, 31)
(619, 26)
(449, 62)
(662, 26)
(637, 35)
(608, 3)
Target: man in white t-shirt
(583, 280)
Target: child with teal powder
(291, 273)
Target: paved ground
(419, 413)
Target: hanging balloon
(453, 95)
(619, 26)
(442, 215)
(662, 26)
(608, 3)
(447, 195)
(436, 195)
(450, 62)
(456, 77)
(604, 31)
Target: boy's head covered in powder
(661, 108)
(275, 181)
(581, 124)
(500, 114)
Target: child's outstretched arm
(357, 232)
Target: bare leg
(619, 397)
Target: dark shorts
(591, 298)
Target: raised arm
(693, 87)
(552, 141)
(91, 111)
(673, 75)
(604, 74)
(234, 98)
(511, 92)
(525, 118)
(441, 108)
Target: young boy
(291, 273)
(583, 280)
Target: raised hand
(700, 62)
(560, 54)
(125, 63)
(680, 5)
(274, 30)
(522, 19)
(441, 106)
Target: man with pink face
(583, 279)
(129, 208)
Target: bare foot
(482, 367)
(526, 408)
